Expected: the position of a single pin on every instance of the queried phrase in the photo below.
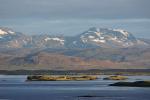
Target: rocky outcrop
(59, 78)
(133, 84)
(118, 77)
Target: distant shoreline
(78, 72)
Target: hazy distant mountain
(92, 38)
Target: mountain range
(96, 48)
(92, 38)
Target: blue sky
(70, 17)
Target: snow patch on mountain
(11, 32)
(2, 32)
(91, 37)
(114, 38)
(128, 44)
(98, 33)
(98, 40)
(55, 39)
(125, 33)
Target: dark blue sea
(15, 87)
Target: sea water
(15, 87)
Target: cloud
(75, 16)
(74, 9)
(139, 27)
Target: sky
(71, 17)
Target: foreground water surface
(15, 87)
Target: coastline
(78, 72)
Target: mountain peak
(107, 32)
(4, 31)
(106, 37)
(97, 30)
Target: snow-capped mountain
(103, 37)
(4, 32)
(12, 39)
(94, 37)
(47, 41)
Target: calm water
(16, 88)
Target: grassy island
(133, 84)
(117, 77)
(59, 78)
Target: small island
(59, 78)
(133, 84)
(116, 77)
